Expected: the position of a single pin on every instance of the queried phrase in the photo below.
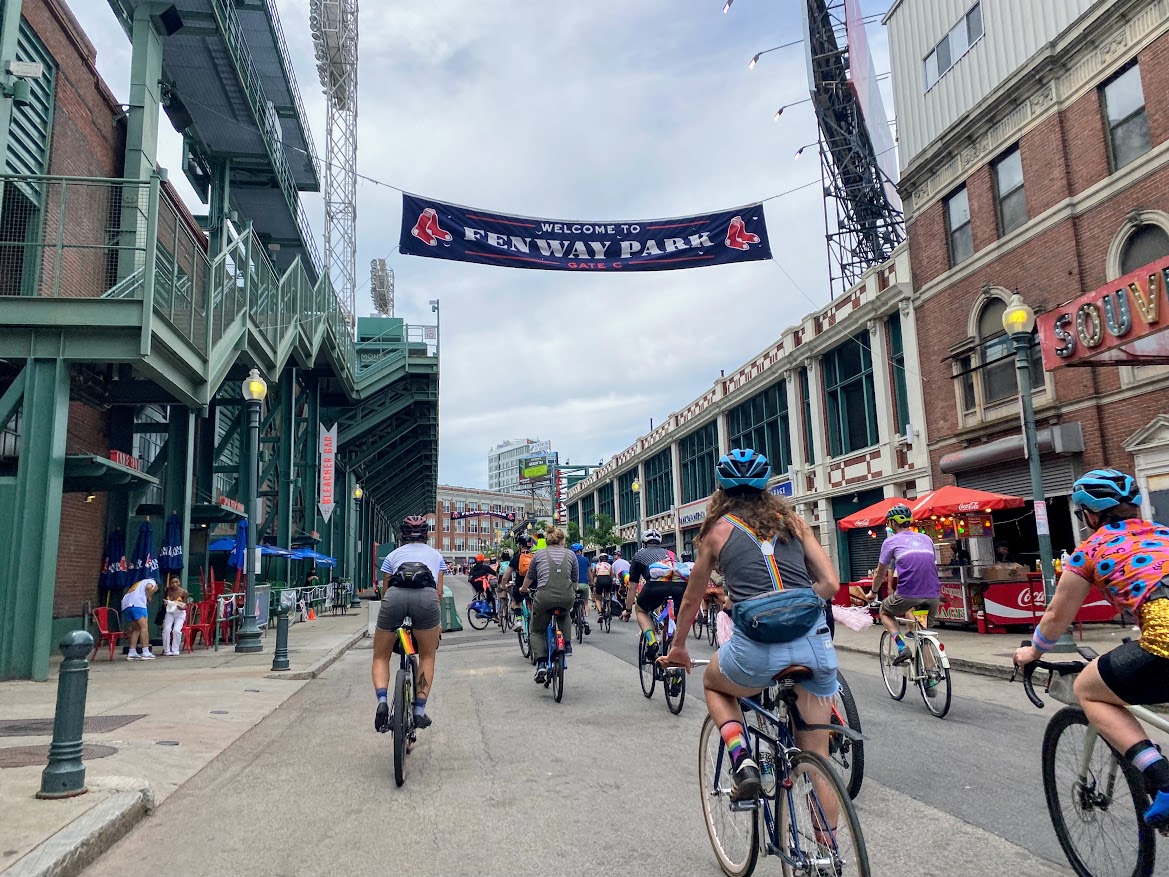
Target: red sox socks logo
(738, 238)
(427, 230)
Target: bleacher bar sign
(328, 472)
(506, 516)
(439, 230)
(1113, 323)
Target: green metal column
(142, 113)
(9, 33)
(178, 489)
(220, 207)
(310, 468)
(286, 464)
(28, 558)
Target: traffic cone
(312, 615)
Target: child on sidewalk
(134, 613)
(176, 616)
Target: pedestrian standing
(176, 616)
(134, 603)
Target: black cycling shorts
(654, 594)
(1134, 675)
(603, 586)
(516, 596)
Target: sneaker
(903, 656)
(588, 629)
(746, 780)
(1157, 816)
(651, 649)
(133, 656)
(422, 720)
(541, 673)
(931, 688)
(147, 656)
(518, 626)
(381, 719)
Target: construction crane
(381, 287)
(333, 24)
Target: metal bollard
(64, 776)
(280, 656)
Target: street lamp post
(437, 325)
(254, 390)
(1019, 321)
(358, 563)
(636, 487)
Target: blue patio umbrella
(239, 551)
(170, 558)
(275, 551)
(317, 558)
(113, 565)
(144, 564)
(224, 543)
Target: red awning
(951, 500)
(873, 516)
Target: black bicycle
(605, 618)
(578, 617)
(405, 694)
(673, 678)
(846, 753)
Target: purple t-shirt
(912, 555)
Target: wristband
(1041, 643)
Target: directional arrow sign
(328, 456)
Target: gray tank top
(746, 570)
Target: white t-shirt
(620, 565)
(414, 551)
(136, 594)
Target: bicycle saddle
(794, 673)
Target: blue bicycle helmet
(742, 467)
(1103, 489)
(576, 546)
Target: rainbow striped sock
(735, 740)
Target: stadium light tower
(334, 28)
(381, 287)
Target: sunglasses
(1079, 513)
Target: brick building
(1034, 145)
(461, 539)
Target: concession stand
(989, 596)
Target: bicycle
(846, 753)
(481, 611)
(605, 618)
(524, 633)
(578, 617)
(503, 613)
(405, 693)
(557, 657)
(928, 667)
(792, 818)
(1094, 795)
(673, 678)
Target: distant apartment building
(503, 462)
(460, 534)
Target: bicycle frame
(555, 642)
(918, 631)
(664, 620)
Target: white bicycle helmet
(651, 535)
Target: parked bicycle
(1095, 796)
(405, 692)
(673, 679)
(805, 816)
(928, 667)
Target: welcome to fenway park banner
(463, 234)
(507, 516)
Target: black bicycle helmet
(413, 528)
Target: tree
(602, 534)
(573, 532)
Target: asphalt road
(506, 782)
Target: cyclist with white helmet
(918, 584)
(1127, 558)
(655, 591)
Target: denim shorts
(133, 613)
(753, 665)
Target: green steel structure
(115, 297)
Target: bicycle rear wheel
(894, 676)
(807, 812)
(401, 721)
(578, 621)
(935, 683)
(608, 621)
(698, 624)
(645, 669)
(847, 756)
(712, 624)
(525, 643)
(674, 684)
(1094, 817)
(557, 672)
(733, 833)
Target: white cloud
(598, 110)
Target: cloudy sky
(603, 109)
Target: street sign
(784, 488)
(328, 458)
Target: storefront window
(588, 510)
(852, 407)
(762, 424)
(626, 496)
(605, 499)
(659, 484)
(698, 453)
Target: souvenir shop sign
(507, 516)
(447, 231)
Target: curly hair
(761, 510)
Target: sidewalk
(986, 654)
(154, 725)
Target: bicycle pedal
(745, 806)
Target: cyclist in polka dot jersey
(1128, 559)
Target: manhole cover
(44, 727)
(27, 756)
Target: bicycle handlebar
(1054, 668)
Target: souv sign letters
(1126, 310)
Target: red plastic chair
(109, 629)
(200, 622)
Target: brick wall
(1063, 155)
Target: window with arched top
(1146, 243)
(986, 375)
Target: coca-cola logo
(1029, 596)
(968, 507)
(863, 522)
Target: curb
(80, 843)
(315, 670)
(979, 668)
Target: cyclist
(412, 578)
(583, 579)
(601, 578)
(918, 585)
(746, 519)
(654, 592)
(480, 577)
(551, 579)
(1128, 559)
(514, 578)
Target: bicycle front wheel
(819, 833)
(525, 643)
(733, 834)
(894, 676)
(674, 684)
(846, 755)
(935, 680)
(1094, 814)
(712, 624)
(645, 669)
(401, 721)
